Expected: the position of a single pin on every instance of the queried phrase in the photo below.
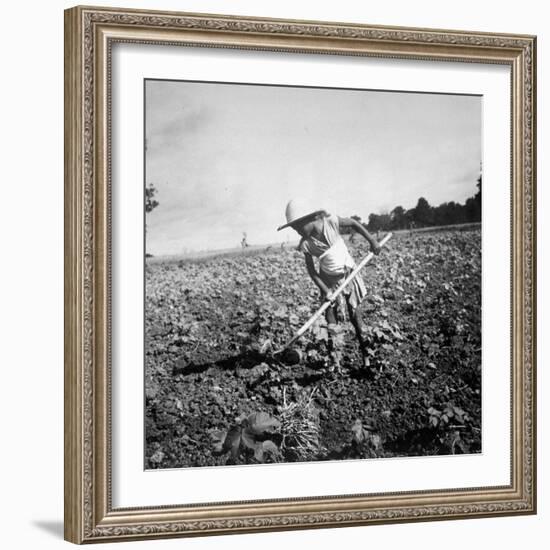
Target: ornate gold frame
(89, 34)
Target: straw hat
(297, 210)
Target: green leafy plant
(251, 436)
(294, 435)
(446, 416)
(365, 441)
(384, 339)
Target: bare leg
(357, 322)
(331, 327)
(330, 316)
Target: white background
(31, 459)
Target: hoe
(306, 326)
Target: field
(215, 394)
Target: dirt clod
(292, 356)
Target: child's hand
(326, 295)
(376, 248)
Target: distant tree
(150, 202)
(398, 218)
(472, 211)
(379, 222)
(423, 214)
(441, 214)
(373, 223)
(472, 207)
(448, 213)
(477, 196)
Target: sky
(226, 158)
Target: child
(322, 239)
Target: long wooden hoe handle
(334, 295)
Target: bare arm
(360, 228)
(325, 291)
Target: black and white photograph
(313, 274)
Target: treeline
(425, 215)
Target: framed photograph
(299, 274)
